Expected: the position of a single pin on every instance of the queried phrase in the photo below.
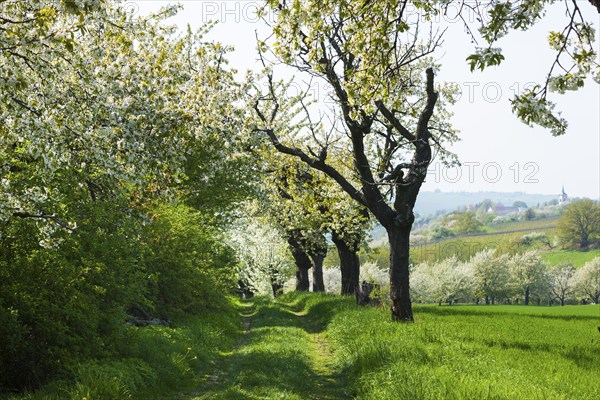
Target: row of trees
(518, 278)
(385, 108)
(116, 146)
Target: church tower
(563, 198)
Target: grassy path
(282, 354)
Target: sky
(497, 151)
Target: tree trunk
(399, 280)
(562, 301)
(276, 285)
(302, 281)
(585, 242)
(303, 264)
(349, 265)
(526, 301)
(317, 263)
(487, 300)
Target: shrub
(187, 262)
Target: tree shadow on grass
(273, 359)
(315, 316)
(584, 357)
(484, 311)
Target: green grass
(318, 346)
(154, 362)
(471, 352)
(308, 346)
(283, 355)
(575, 257)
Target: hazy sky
(498, 152)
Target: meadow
(471, 352)
(324, 347)
(316, 346)
(153, 361)
(577, 258)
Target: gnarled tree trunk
(399, 279)
(349, 265)
(317, 264)
(303, 264)
(317, 254)
(302, 281)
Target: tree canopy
(99, 104)
(576, 56)
(580, 223)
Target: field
(577, 258)
(540, 224)
(472, 352)
(504, 238)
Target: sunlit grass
(317, 346)
(471, 352)
(276, 359)
(575, 257)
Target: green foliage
(529, 214)
(187, 263)
(580, 224)
(442, 232)
(151, 362)
(464, 222)
(63, 301)
(144, 115)
(485, 58)
(520, 204)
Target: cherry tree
(264, 258)
(492, 276)
(101, 105)
(561, 277)
(447, 280)
(586, 281)
(387, 112)
(528, 275)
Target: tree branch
(316, 164)
(45, 216)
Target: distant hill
(432, 202)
